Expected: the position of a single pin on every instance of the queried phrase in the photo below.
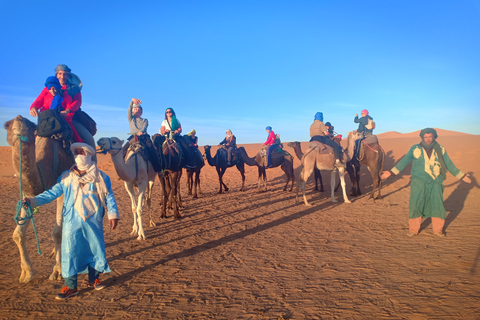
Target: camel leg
(163, 196)
(332, 186)
(57, 240)
(341, 173)
(142, 188)
(131, 193)
(306, 172)
(241, 168)
(198, 179)
(189, 182)
(149, 202)
(174, 179)
(28, 272)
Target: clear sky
(245, 65)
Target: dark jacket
(362, 122)
(231, 143)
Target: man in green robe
(429, 169)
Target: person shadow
(455, 202)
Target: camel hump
(371, 138)
(321, 148)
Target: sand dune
(251, 255)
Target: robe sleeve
(404, 161)
(450, 166)
(48, 195)
(110, 199)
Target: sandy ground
(251, 255)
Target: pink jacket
(270, 139)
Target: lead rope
(29, 213)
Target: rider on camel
(319, 132)
(230, 143)
(138, 128)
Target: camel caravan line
(43, 160)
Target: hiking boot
(66, 293)
(97, 285)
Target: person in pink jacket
(270, 143)
(52, 97)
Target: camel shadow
(197, 249)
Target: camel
(43, 160)
(193, 183)
(219, 161)
(278, 158)
(311, 159)
(172, 163)
(371, 155)
(134, 171)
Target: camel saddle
(170, 146)
(136, 147)
(224, 153)
(321, 148)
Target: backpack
(86, 121)
(371, 124)
(51, 123)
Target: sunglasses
(168, 112)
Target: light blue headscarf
(319, 116)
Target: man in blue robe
(87, 192)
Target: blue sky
(245, 65)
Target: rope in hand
(29, 213)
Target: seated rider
(171, 128)
(52, 98)
(363, 128)
(230, 143)
(330, 133)
(193, 144)
(138, 127)
(319, 132)
(271, 145)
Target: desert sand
(251, 255)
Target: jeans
(71, 282)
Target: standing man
(429, 169)
(87, 192)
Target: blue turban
(57, 100)
(268, 128)
(53, 82)
(319, 116)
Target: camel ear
(121, 142)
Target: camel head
(111, 145)
(294, 144)
(20, 127)
(207, 147)
(352, 137)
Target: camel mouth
(99, 149)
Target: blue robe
(83, 242)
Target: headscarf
(58, 99)
(174, 124)
(436, 147)
(62, 67)
(319, 116)
(365, 111)
(84, 203)
(74, 84)
(268, 128)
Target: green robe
(426, 190)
